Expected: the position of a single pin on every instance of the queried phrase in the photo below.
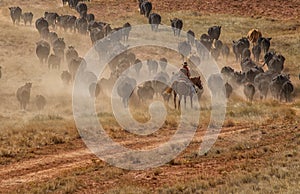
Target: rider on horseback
(184, 73)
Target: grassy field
(256, 152)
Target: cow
(191, 37)
(145, 7)
(51, 18)
(42, 50)
(239, 46)
(228, 90)
(249, 91)
(176, 25)
(145, 92)
(71, 53)
(286, 91)
(265, 44)
(81, 25)
(225, 51)
(66, 77)
(81, 8)
(154, 21)
(125, 31)
(54, 62)
(41, 23)
(152, 66)
(59, 46)
(256, 51)
(40, 102)
(27, 17)
(214, 32)
(276, 85)
(15, 14)
(184, 48)
(23, 95)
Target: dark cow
(71, 53)
(274, 62)
(176, 25)
(138, 66)
(23, 95)
(90, 17)
(163, 62)
(256, 51)
(249, 91)
(145, 92)
(96, 34)
(204, 45)
(184, 48)
(228, 90)
(214, 32)
(59, 46)
(52, 37)
(27, 17)
(145, 7)
(125, 89)
(264, 43)
(154, 20)
(81, 8)
(247, 64)
(45, 33)
(246, 53)
(66, 22)
(40, 102)
(51, 18)
(81, 25)
(239, 46)
(66, 77)
(276, 85)
(54, 62)
(125, 31)
(41, 23)
(152, 66)
(225, 51)
(74, 66)
(215, 83)
(286, 91)
(15, 14)
(191, 37)
(42, 50)
(73, 3)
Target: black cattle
(81, 8)
(239, 46)
(154, 20)
(191, 37)
(96, 34)
(40, 102)
(184, 48)
(264, 43)
(23, 95)
(176, 25)
(214, 32)
(54, 62)
(274, 62)
(125, 31)
(286, 91)
(249, 91)
(27, 17)
(225, 51)
(45, 33)
(42, 50)
(59, 46)
(276, 85)
(152, 66)
(15, 14)
(52, 37)
(81, 25)
(145, 7)
(228, 90)
(51, 18)
(247, 64)
(41, 23)
(73, 3)
(71, 53)
(246, 53)
(90, 17)
(256, 51)
(66, 22)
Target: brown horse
(183, 89)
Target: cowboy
(185, 73)
(185, 70)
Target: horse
(183, 88)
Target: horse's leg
(179, 99)
(191, 96)
(185, 102)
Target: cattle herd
(53, 50)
